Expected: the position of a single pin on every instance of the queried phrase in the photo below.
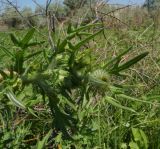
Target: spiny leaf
(132, 61)
(85, 27)
(81, 43)
(129, 63)
(72, 34)
(62, 45)
(118, 57)
(32, 55)
(27, 38)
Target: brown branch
(118, 20)
(114, 10)
(15, 7)
(50, 24)
(48, 2)
(34, 1)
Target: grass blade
(134, 99)
(114, 103)
(13, 98)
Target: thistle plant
(69, 80)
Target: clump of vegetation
(88, 87)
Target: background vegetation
(82, 74)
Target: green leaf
(27, 38)
(144, 138)
(69, 29)
(35, 43)
(130, 63)
(13, 98)
(71, 104)
(41, 144)
(86, 27)
(140, 137)
(84, 33)
(134, 99)
(72, 34)
(6, 51)
(32, 55)
(133, 145)
(136, 134)
(19, 56)
(14, 39)
(81, 43)
(71, 46)
(152, 97)
(32, 112)
(118, 57)
(116, 104)
(61, 46)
